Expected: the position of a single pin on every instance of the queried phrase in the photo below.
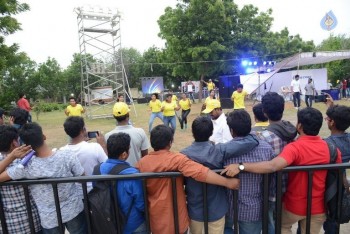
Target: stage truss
(103, 76)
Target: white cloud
(50, 27)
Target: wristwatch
(241, 167)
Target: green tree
(48, 80)
(337, 70)
(71, 77)
(9, 55)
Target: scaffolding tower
(103, 76)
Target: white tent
(273, 81)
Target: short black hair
(73, 126)
(340, 115)
(32, 134)
(240, 122)
(70, 98)
(296, 76)
(20, 95)
(239, 86)
(258, 113)
(273, 106)
(20, 116)
(161, 137)
(155, 94)
(7, 135)
(117, 144)
(311, 120)
(168, 95)
(202, 128)
(121, 118)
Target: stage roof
(310, 58)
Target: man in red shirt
(308, 149)
(24, 104)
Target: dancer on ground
(155, 105)
(238, 97)
(168, 108)
(210, 85)
(74, 109)
(185, 105)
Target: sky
(50, 28)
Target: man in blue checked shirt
(250, 195)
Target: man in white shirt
(296, 91)
(89, 154)
(221, 132)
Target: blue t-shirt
(129, 193)
(342, 141)
(212, 156)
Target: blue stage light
(264, 63)
(255, 63)
(244, 63)
(268, 70)
(250, 63)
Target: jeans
(308, 100)
(152, 118)
(271, 217)
(170, 120)
(184, 115)
(330, 227)
(76, 225)
(296, 99)
(348, 91)
(250, 227)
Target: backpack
(104, 217)
(332, 192)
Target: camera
(321, 98)
(92, 134)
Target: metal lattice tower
(102, 69)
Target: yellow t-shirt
(169, 108)
(238, 99)
(210, 86)
(75, 110)
(155, 105)
(208, 100)
(174, 98)
(185, 105)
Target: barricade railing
(112, 179)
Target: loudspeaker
(226, 103)
(143, 100)
(228, 84)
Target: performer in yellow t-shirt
(74, 109)
(169, 107)
(238, 97)
(185, 105)
(210, 85)
(155, 105)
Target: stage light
(268, 70)
(270, 63)
(255, 63)
(250, 63)
(264, 63)
(249, 70)
(244, 63)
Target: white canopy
(309, 58)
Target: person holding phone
(309, 92)
(89, 154)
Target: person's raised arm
(271, 166)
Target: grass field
(52, 122)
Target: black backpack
(331, 192)
(103, 216)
